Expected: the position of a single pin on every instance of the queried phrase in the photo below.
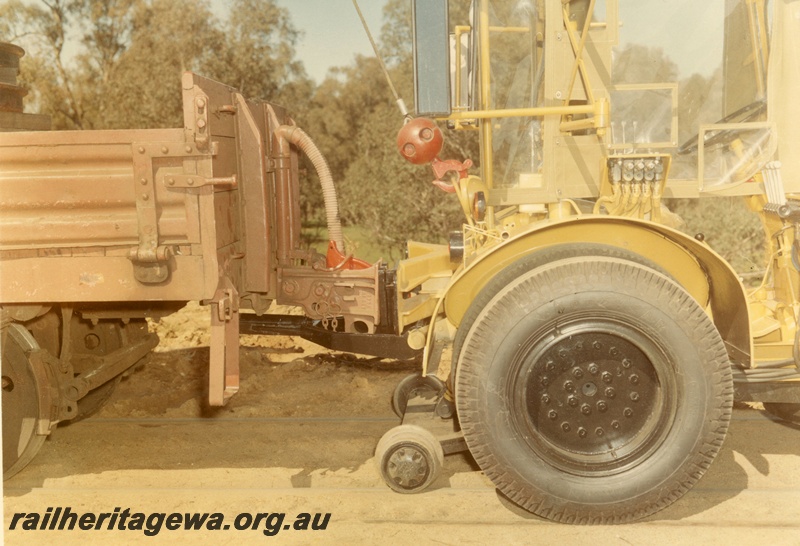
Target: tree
(71, 95)
(130, 55)
(380, 191)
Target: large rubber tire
(531, 262)
(593, 391)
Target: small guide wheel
(409, 458)
(411, 386)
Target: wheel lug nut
(582, 432)
(599, 431)
(610, 392)
(615, 425)
(593, 368)
(626, 363)
(634, 379)
(607, 377)
(602, 406)
(635, 396)
(627, 412)
(552, 414)
(545, 398)
(586, 409)
(565, 427)
(572, 401)
(569, 386)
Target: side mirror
(431, 57)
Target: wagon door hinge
(149, 259)
(150, 160)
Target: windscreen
(684, 77)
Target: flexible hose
(299, 138)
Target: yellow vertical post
(486, 94)
(487, 154)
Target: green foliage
(728, 226)
(131, 54)
(391, 197)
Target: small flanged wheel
(414, 385)
(409, 458)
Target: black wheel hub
(407, 466)
(593, 400)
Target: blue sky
(332, 31)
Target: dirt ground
(299, 438)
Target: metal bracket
(223, 375)
(151, 260)
(195, 181)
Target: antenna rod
(400, 103)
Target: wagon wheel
(23, 381)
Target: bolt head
(593, 368)
(606, 377)
(610, 392)
(565, 427)
(634, 379)
(552, 414)
(597, 345)
(626, 363)
(602, 406)
(635, 396)
(586, 409)
(615, 425)
(569, 386)
(599, 431)
(577, 372)
(550, 366)
(627, 412)
(573, 401)
(582, 432)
